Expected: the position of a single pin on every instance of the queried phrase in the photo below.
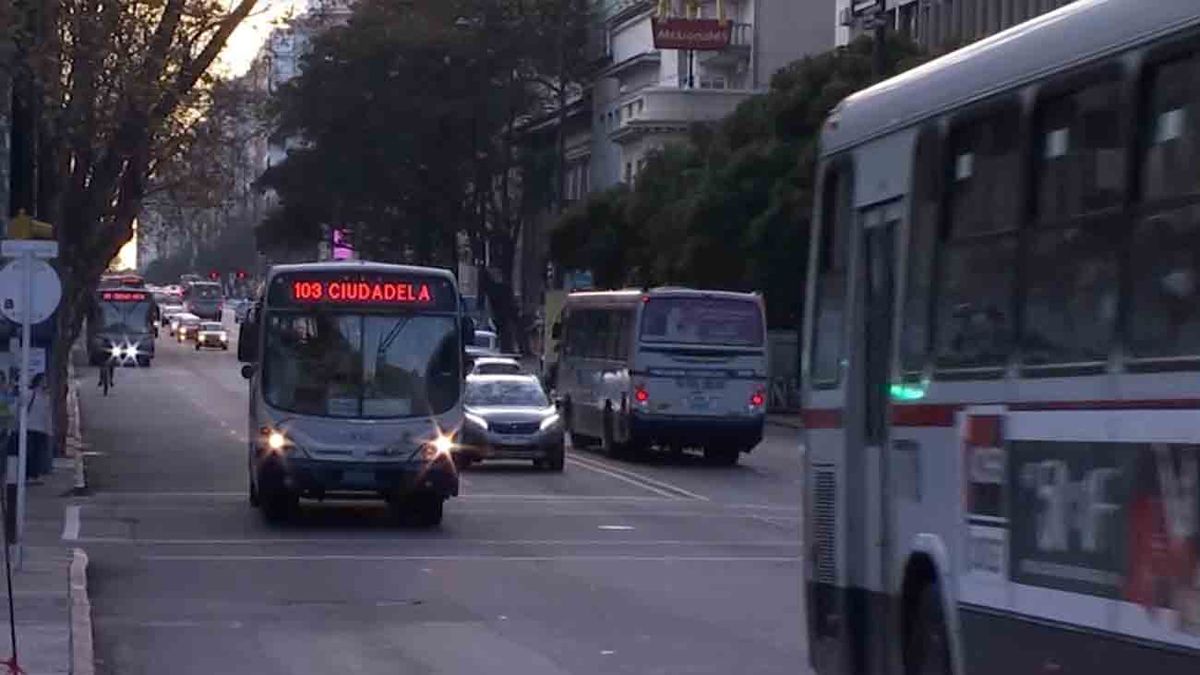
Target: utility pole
(879, 54)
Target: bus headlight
(439, 448)
(276, 441)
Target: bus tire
(278, 504)
(719, 455)
(143, 361)
(424, 510)
(926, 638)
(253, 491)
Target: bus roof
(632, 295)
(360, 266)
(1074, 34)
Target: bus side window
(1070, 306)
(922, 242)
(830, 310)
(979, 244)
(1164, 318)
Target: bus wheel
(721, 455)
(927, 648)
(143, 361)
(419, 510)
(276, 501)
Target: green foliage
(730, 208)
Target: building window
(628, 172)
(713, 82)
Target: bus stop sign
(45, 292)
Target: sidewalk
(50, 589)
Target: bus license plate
(699, 403)
(358, 477)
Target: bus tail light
(758, 399)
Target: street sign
(45, 290)
(38, 248)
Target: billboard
(694, 34)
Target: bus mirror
(556, 330)
(247, 350)
(247, 371)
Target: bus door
(868, 418)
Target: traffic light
(241, 274)
(214, 275)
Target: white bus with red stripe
(672, 367)
(1002, 372)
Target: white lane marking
(758, 543)
(566, 498)
(155, 495)
(647, 480)
(615, 527)
(469, 558)
(607, 652)
(70, 531)
(625, 479)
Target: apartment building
(644, 97)
(940, 24)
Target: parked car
(510, 417)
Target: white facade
(646, 97)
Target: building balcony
(738, 51)
(670, 109)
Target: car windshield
(356, 365)
(516, 393)
(125, 317)
(211, 326)
(484, 340)
(705, 321)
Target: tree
(731, 207)
(116, 82)
(406, 125)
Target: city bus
(120, 326)
(673, 367)
(1002, 364)
(355, 373)
(205, 299)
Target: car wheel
(197, 346)
(719, 455)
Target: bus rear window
(705, 321)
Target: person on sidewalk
(40, 461)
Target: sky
(244, 43)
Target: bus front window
(350, 365)
(125, 317)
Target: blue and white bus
(673, 367)
(355, 373)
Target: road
(663, 566)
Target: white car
(497, 365)
(212, 334)
(182, 318)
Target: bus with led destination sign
(120, 326)
(355, 373)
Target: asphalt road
(660, 566)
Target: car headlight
(549, 421)
(476, 420)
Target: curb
(787, 424)
(74, 440)
(80, 640)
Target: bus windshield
(361, 365)
(125, 317)
(703, 321)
